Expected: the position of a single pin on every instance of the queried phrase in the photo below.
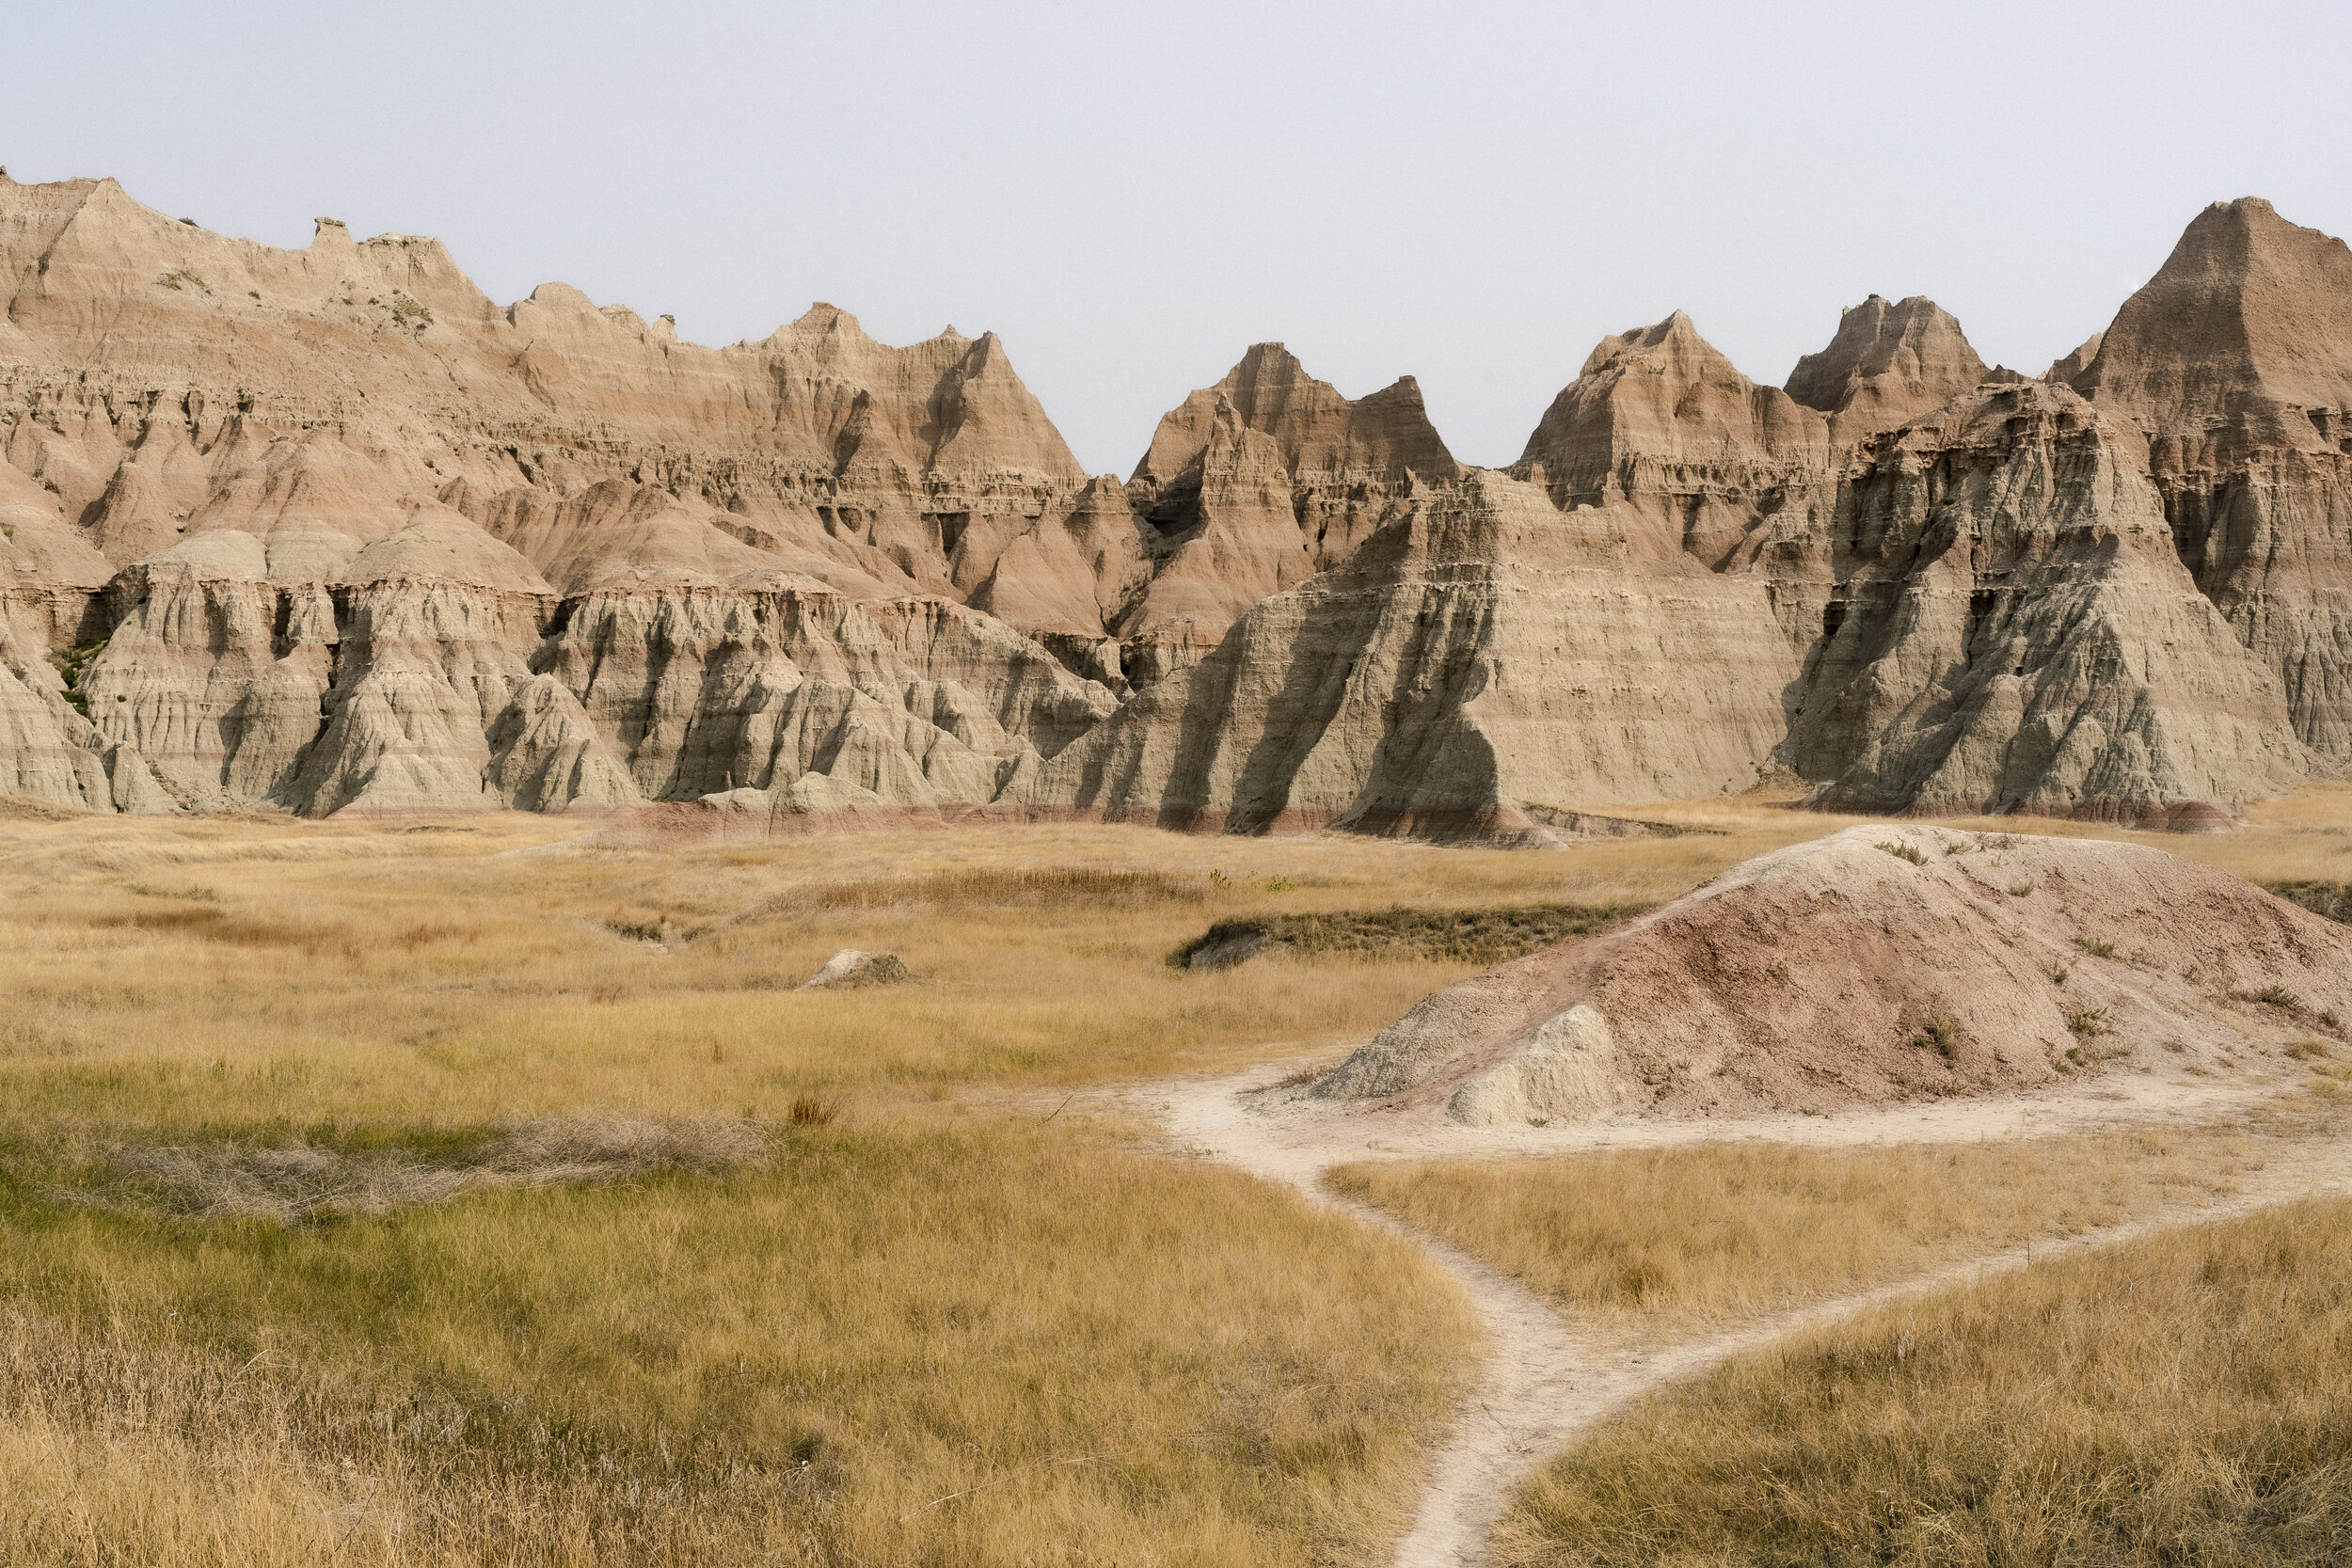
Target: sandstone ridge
(327, 529)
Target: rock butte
(327, 529)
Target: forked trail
(1545, 1379)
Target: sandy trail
(1544, 1379)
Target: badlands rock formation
(326, 529)
(1660, 423)
(350, 535)
(2235, 362)
(1888, 365)
(1472, 670)
(2006, 623)
(1877, 964)
(1258, 483)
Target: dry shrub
(812, 1110)
(2178, 1400)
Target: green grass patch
(1466, 936)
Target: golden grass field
(858, 1295)
(1674, 1239)
(2177, 1400)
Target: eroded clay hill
(327, 529)
(1872, 966)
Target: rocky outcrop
(2236, 361)
(334, 526)
(2068, 369)
(1483, 654)
(1258, 483)
(327, 529)
(312, 393)
(2009, 629)
(916, 701)
(850, 970)
(1660, 423)
(1887, 366)
(1977, 608)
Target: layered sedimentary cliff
(1473, 669)
(1258, 483)
(331, 530)
(326, 529)
(2235, 362)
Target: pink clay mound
(1876, 965)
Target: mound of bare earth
(1877, 964)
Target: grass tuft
(2088, 1022)
(812, 1110)
(1942, 1036)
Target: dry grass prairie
(852, 1293)
(183, 975)
(2176, 1400)
(1671, 1240)
(894, 1316)
(981, 1346)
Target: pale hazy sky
(1132, 194)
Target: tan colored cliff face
(327, 530)
(1659, 422)
(1265, 479)
(2010, 629)
(346, 503)
(171, 381)
(1483, 655)
(1887, 366)
(919, 702)
(2236, 361)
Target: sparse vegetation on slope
(2177, 1400)
(2332, 899)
